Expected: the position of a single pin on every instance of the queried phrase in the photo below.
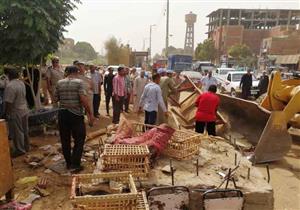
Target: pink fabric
(119, 86)
(156, 138)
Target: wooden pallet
(121, 157)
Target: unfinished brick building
(249, 26)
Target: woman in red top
(207, 104)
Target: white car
(221, 73)
(232, 81)
(193, 75)
(115, 69)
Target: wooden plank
(6, 173)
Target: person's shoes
(76, 169)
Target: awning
(287, 59)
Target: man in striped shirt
(73, 100)
(119, 92)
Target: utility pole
(150, 42)
(167, 30)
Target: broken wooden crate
(121, 157)
(182, 145)
(118, 201)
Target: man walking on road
(16, 112)
(73, 101)
(246, 84)
(207, 81)
(263, 83)
(108, 88)
(152, 99)
(119, 91)
(207, 104)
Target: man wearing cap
(16, 112)
(167, 86)
(53, 75)
(73, 101)
(87, 83)
(97, 82)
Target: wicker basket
(121, 157)
(182, 146)
(121, 201)
(142, 201)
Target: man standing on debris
(16, 112)
(108, 88)
(152, 99)
(138, 89)
(246, 84)
(207, 104)
(53, 75)
(97, 82)
(207, 81)
(73, 100)
(263, 83)
(167, 86)
(119, 92)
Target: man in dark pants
(96, 78)
(151, 99)
(207, 104)
(246, 84)
(263, 83)
(72, 98)
(119, 91)
(108, 88)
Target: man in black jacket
(246, 84)
(263, 83)
(108, 88)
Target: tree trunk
(36, 97)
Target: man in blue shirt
(151, 99)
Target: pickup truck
(232, 81)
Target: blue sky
(129, 20)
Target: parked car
(221, 73)
(202, 66)
(232, 82)
(193, 75)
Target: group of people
(76, 91)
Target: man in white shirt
(151, 99)
(97, 81)
(138, 89)
(207, 81)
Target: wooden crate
(120, 201)
(142, 201)
(182, 146)
(121, 157)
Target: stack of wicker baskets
(122, 201)
(120, 157)
(182, 146)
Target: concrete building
(228, 27)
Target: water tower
(190, 20)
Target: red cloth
(207, 104)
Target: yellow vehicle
(266, 124)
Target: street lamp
(150, 41)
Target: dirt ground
(285, 174)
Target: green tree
(241, 53)
(85, 51)
(206, 51)
(116, 52)
(30, 30)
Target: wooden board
(6, 173)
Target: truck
(179, 63)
